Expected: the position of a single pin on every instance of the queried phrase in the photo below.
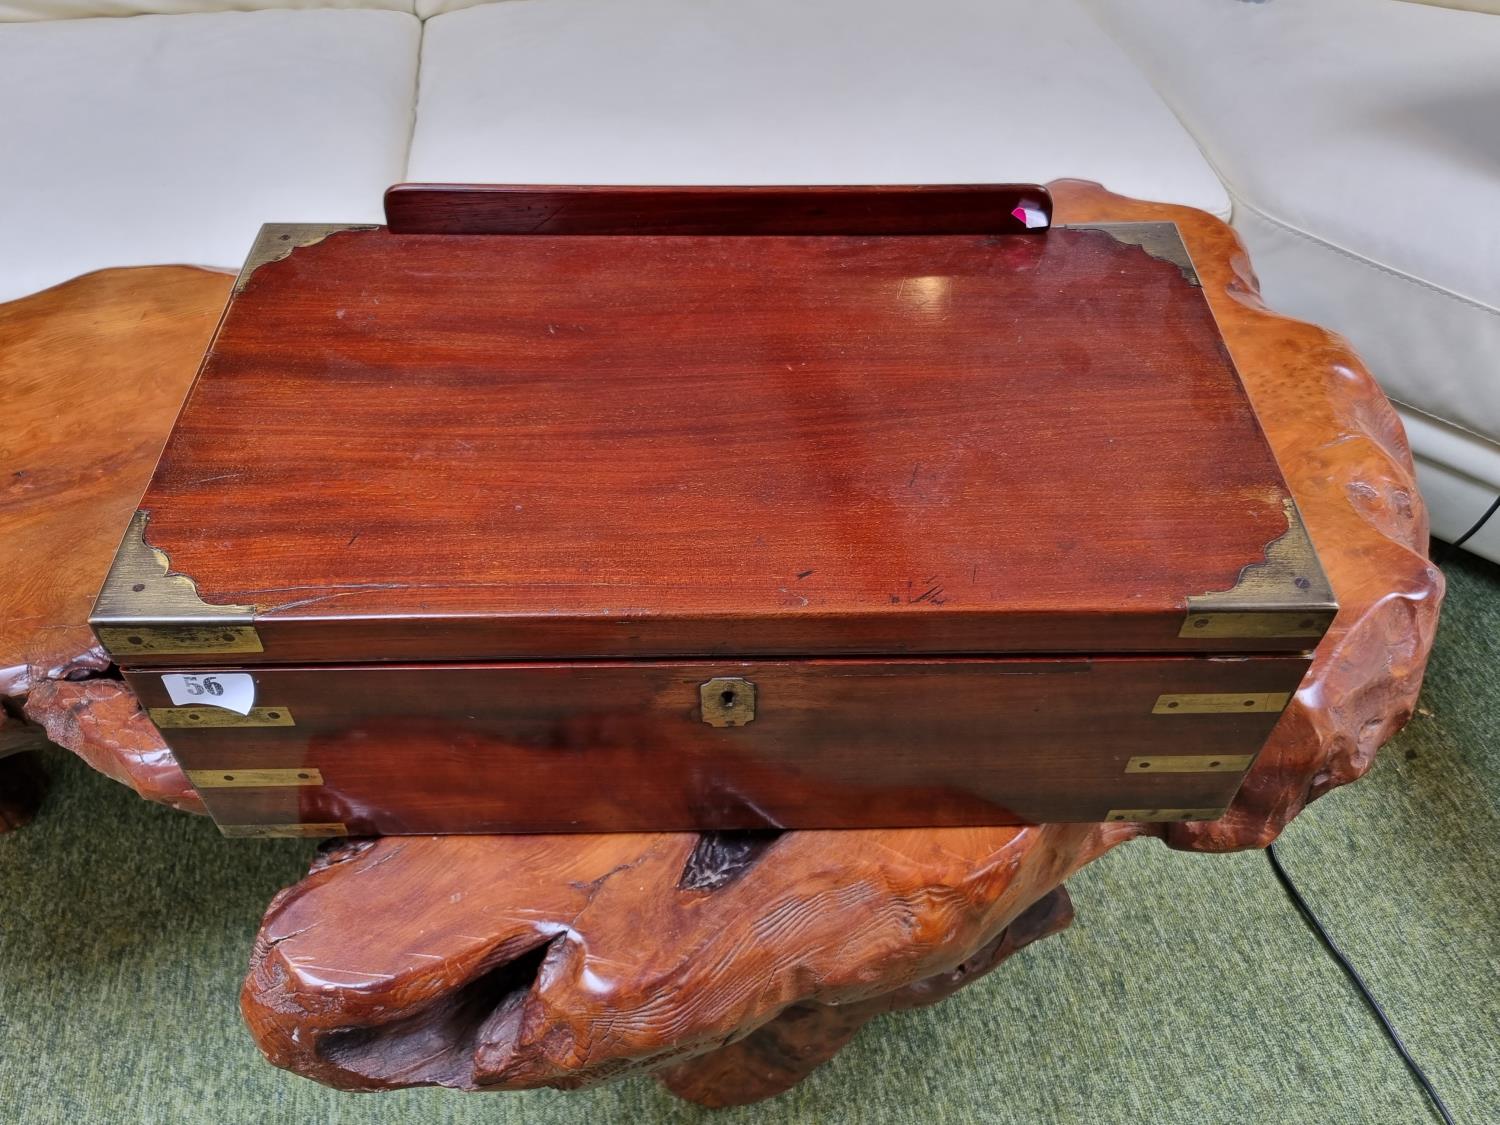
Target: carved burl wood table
(92, 373)
(727, 966)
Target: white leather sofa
(1354, 143)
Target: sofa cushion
(1358, 141)
(172, 138)
(787, 91)
(17, 10)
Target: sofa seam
(1457, 472)
(1441, 421)
(1467, 430)
(1145, 73)
(1237, 199)
(1400, 275)
(416, 97)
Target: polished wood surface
(591, 747)
(92, 372)
(102, 722)
(412, 447)
(803, 210)
(805, 1035)
(507, 962)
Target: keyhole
(726, 701)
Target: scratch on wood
(545, 219)
(337, 594)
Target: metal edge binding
(1221, 702)
(276, 241)
(1286, 594)
(1189, 763)
(232, 778)
(1159, 238)
(262, 831)
(146, 607)
(186, 718)
(1143, 816)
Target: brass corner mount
(1285, 595)
(144, 608)
(276, 241)
(1160, 239)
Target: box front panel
(638, 746)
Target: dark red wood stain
(621, 746)
(500, 209)
(501, 500)
(465, 447)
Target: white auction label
(1031, 217)
(233, 691)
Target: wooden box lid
(880, 421)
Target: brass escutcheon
(727, 701)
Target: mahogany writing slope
(590, 509)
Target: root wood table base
(731, 966)
(93, 372)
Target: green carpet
(1187, 991)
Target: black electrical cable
(1359, 982)
(1440, 557)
